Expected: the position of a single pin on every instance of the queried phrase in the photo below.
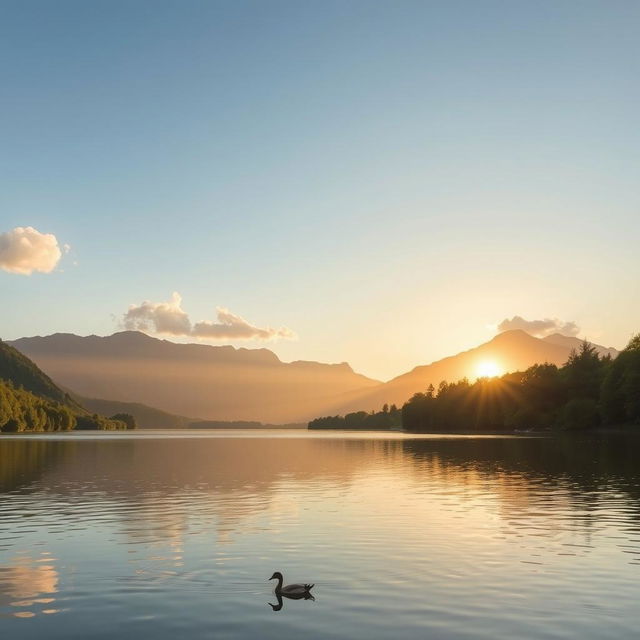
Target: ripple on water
(404, 538)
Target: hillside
(212, 383)
(31, 401)
(511, 350)
(22, 372)
(151, 418)
(146, 417)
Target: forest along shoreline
(589, 392)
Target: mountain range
(202, 381)
(225, 383)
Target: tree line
(31, 401)
(389, 417)
(586, 392)
(23, 411)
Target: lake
(175, 534)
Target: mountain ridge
(574, 343)
(512, 350)
(227, 383)
(212, 382)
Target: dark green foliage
(360, 420)
(620, 397)
(464, 406)
(21, 410)
(584, 371)
(579, 413)
(541, 388)
(30, 401)
(586, 392)
(24, 374)
(387, 418)
(10, 426)
(127, 418)
(99, 423)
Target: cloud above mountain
(232, 327)
(170, 319)
(159, 317)
(539, 328)
(24, 250)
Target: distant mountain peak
(512, 334)
(513, 350)
(129, 334)
(128, 337)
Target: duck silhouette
(291, 591)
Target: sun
(488, 369)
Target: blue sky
(387, 179)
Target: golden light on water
(488, 369)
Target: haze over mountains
(200, 381)
(225, 383)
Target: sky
(383, 183)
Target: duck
(294, 591)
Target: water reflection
(28, 585)
(170, 531)
(24, 461)
(298, 596)
(580, 476)
(156, 486)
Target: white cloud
(159, 317)
(170, 318)
(540, 328)
(24, 250)
(232, 327)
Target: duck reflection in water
(277, 607)
(291, 591)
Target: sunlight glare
(488, 369)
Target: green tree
(584, 372)
(620, 393)
(127, 418)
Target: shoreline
(230, 431)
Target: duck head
(276, 576)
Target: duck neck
(279, 585)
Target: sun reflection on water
(24, 582)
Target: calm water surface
(173, 535)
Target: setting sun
(488, 369)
